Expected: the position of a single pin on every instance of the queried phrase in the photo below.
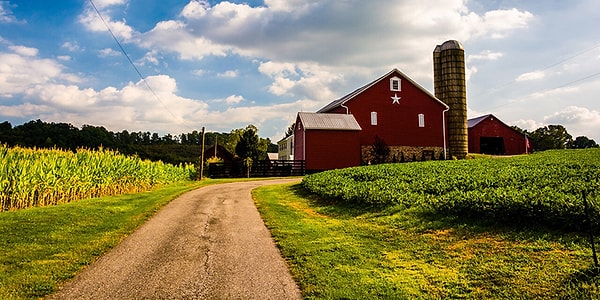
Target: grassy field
(340, 252)
(339, 248)
(44, 246)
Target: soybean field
(550, 188)
(42, 177)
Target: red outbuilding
(327, 141)
(408, 118)
(488, 135)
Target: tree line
(173, 149)
(555, 137)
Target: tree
(380, 151)
(290, 130)
(248, 145)
(583, 142)
(551, 137)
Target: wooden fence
(261, 168)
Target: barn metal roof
(473, 122)
(343, 100)
(323, 121)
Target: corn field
(42, 177)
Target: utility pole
(202, 156)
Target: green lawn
(336, 251)
(42, 247)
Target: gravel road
(209, 243)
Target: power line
(133, 64)
(513, 81)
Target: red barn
(409, 119)
(327, 141)
(489, 135)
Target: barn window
(373, 118)
(421, 120)
(395, 84)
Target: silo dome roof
(451, 44)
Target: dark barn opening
(492, 145)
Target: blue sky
(226, 64)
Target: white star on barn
(396, 99)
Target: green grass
(42, 247)
(340, 251)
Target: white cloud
(92, 22)
(21, 72)
(499, 22)
(152, 57)
(536, 75)
(575, 114)
(485, 55)
(106, 52)
(578, 121)
(101, 4)
(229, 74)
(234, 99)
(172, 36)
(6, 15)
(195, 9)
(313, 51)
(71, 46)
(528, 124)
(64, 57)
(24, 51)
(306, 79)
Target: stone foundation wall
(404, 154)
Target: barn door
(492, 145)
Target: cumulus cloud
(22, 70)
(498, 23)
(24, 51)
(173, 36)
(331, 33)
(195, 9)
(308, 49)
(91, 21)
(306, 79)
(332, 37)
(106, 52)
(234, 99)
(527, 124)
(577, 120)
(574, 114)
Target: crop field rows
(544, 189)
(42, 177)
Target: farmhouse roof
(323, 121)
(350, 96)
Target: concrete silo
(450, 88)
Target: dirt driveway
(209, 243)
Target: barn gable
(395, 76)
(399, 111)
